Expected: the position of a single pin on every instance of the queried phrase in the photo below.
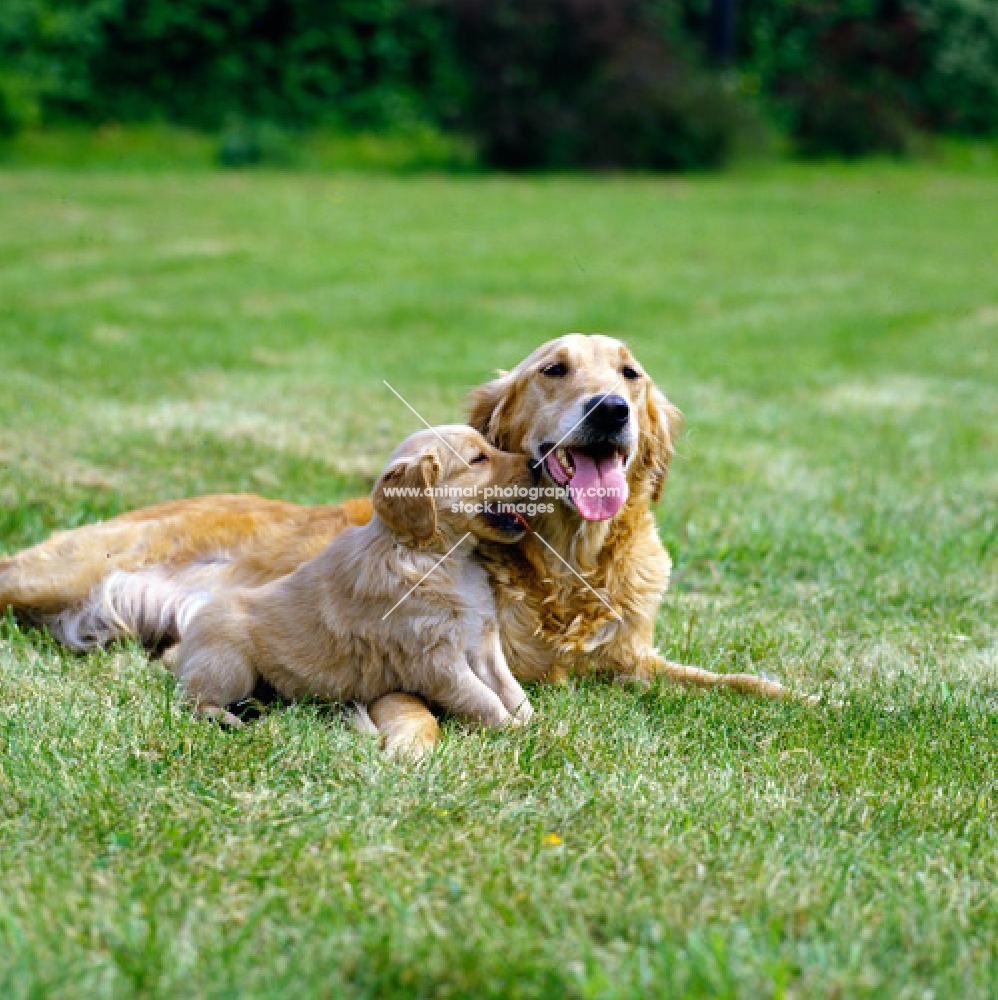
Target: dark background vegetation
(535, 83)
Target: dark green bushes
(596, 83)
(960, 88)
(199, 62)
(538, 83)
(860, 76)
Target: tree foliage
(540, 83)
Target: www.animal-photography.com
(498, 499)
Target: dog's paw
(523, 714)
(406, 746)
(222, 716)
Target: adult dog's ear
(403, 496)
(660, 428)
(486, 406)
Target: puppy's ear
(403, 496)
(486, 407)
(659, 429)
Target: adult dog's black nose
(607, 413)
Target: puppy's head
(442, 483)
(595, 425)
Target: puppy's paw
(222, 716)
(523, 714)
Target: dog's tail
(150, 605)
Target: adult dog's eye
(480, 458)
(630, 373)
(558, 370)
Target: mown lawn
(830, 334)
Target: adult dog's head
(585, 411)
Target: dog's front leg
(450, 682)
(489, 665)
(631, 656)
(698, 677)
(654, 664)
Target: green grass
(829, 332)
(170, 148)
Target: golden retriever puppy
(397, 605)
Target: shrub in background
(959, 90)
(369, 63)
(840, 77)
(540, 83)
(243, 143)
(46, 52)
(859, 76)
(15, 107)
(596, 83)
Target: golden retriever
(396, 605)
(580, 593)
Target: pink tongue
(598, 488)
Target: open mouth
(504, 519)
(594, 476)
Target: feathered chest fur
(557, 618)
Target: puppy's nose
(607, 413)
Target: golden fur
(396, 605)
(551, 624)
